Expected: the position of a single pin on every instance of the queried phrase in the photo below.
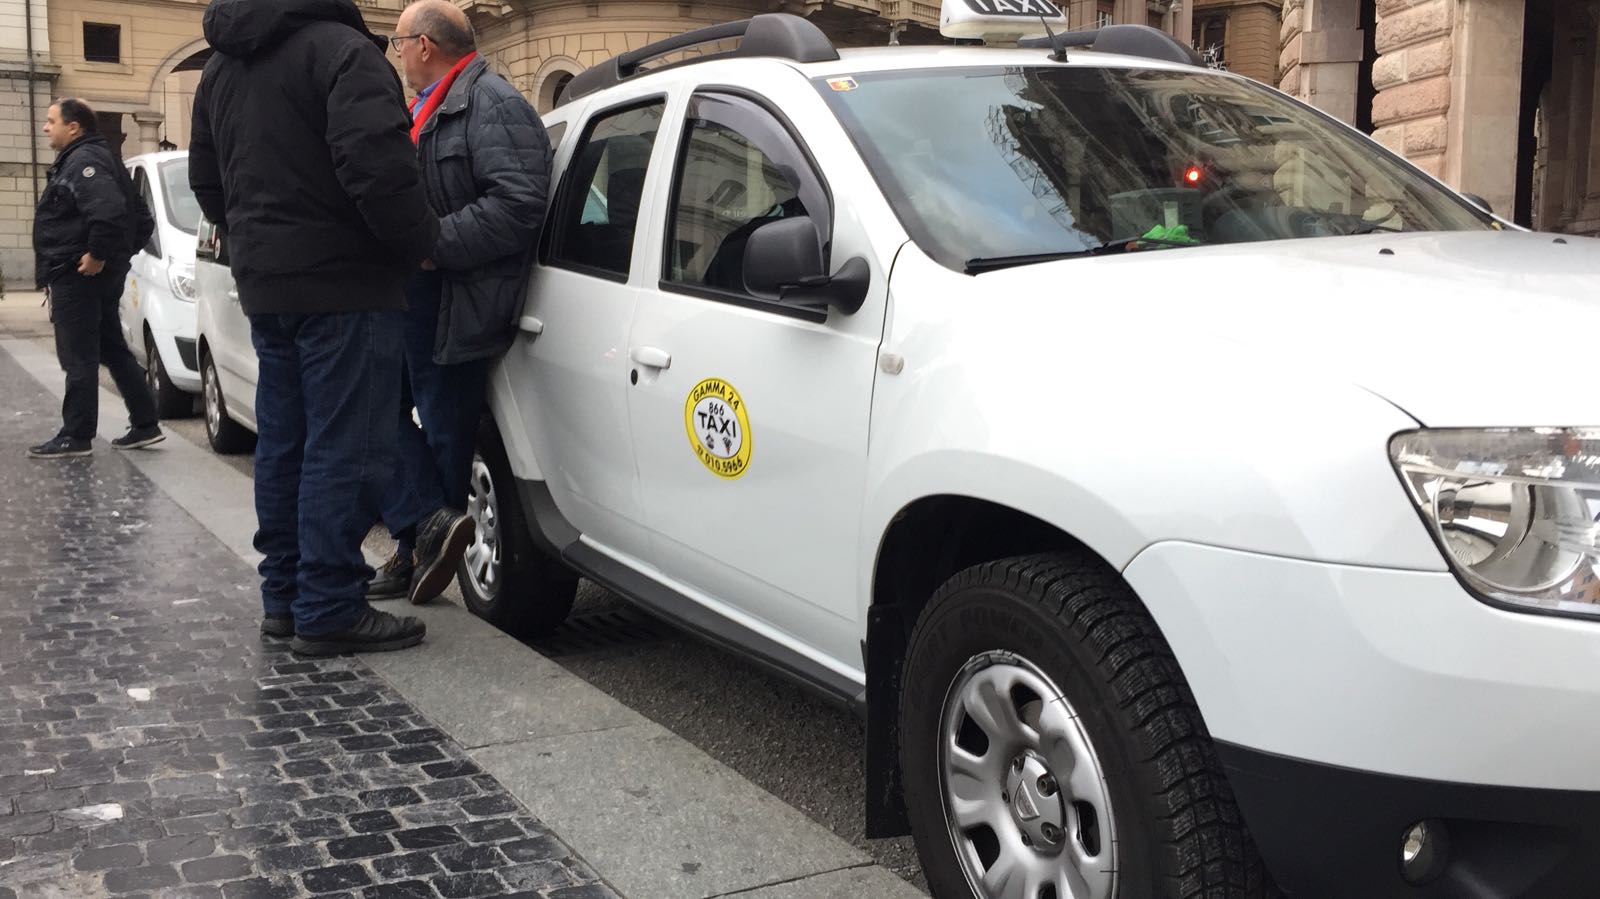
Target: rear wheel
(225, 435)
(171, 402)
(1051, 748)
(505, 579)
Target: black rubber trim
(772, 34)
(729, 298)
(1330, 832)
(559, 536)
(187, 354)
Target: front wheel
(171, 402)
(225, 435)
(1051, 748)
(504, 578)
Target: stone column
(1486, 100)
(1183, 21)
(1413, 77)
(149, 122)
(1329, 56)
(1580, 109)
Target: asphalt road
(800, 749)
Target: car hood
(1487, 329)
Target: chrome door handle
(530, 325)
(651, 357)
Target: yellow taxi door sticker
(719, 428)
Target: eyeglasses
(395, 39)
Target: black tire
(170, 401)
(529, 594)
(226, 436)
(1178, 833)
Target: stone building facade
(1242, 35)
(138, 61)
(1495, 97)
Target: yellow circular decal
(719, 428)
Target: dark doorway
(1538, 67)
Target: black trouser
(88, 335)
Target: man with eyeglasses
(485, 160)
(300, 149)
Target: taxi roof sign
(1000, 20)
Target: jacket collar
(460, 96)
(76, 145)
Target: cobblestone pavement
(153, 744)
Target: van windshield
(1013, 164)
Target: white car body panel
(224, 333)
(1397, 672)
(148, 299)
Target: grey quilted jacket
(485, 160)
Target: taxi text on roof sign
(1033, 9)
(1000, 20)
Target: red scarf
(420, 117)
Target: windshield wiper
(1373, 229)
(981, 264)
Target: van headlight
(181, 277)
(1515, 511)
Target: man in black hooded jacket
(300, 147)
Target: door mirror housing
(1479, 202)
(783, 261)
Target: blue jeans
(325, 411)
(436, 459)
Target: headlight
(181, 277)
(1515, 512)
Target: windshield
(995, 164)
(183, 211)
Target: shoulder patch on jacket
(88, 171)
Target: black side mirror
(1479, 202)
(783, 262)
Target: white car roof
(856, 61)
(883, 59)
(157, 158)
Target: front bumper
(1352, 702)
(1326, 831)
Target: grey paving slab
(870, 882)
(216, 495)
(661, 818)
(489, 689)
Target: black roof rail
(1127, 40)
(779, 35)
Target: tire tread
(1209, 851)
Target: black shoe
(441, 541)
(60, 447)
(138, 438)
(393, 580)
(281, 628)
(375, 632)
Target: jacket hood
(243, 28)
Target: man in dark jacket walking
(300, 147)
(486, 167)
(84, 235)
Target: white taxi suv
(1190, 494)
(158, 299)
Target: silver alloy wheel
(482, 559)
(1025, 796)
(213, 400)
